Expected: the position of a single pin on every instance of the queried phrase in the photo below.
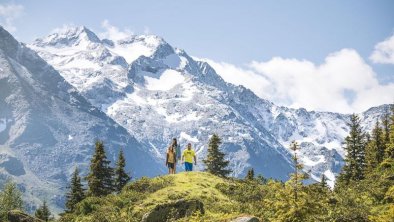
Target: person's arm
(166, 159)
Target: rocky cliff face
(48, 128)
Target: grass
(143, 195)
(190, 185)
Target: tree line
(101, 180)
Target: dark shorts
(188, 166)
(171, 165)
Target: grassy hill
(196, 195)
(200, 196)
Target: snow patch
(193, 116)
(168, 79)
(187, 137)
(70, 137)
(136, 98)
(156, 152)
(135, 46)
(331, 178)
(132, 52)
(309, 162)
(80, 64)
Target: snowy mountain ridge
(47, 128)
(158, 92)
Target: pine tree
(76, 192)
(100, 181)
(390, 145)
(121, 177)
(355, 147)
(297, 177)
(375, 149)
(10, 199)
(250, 174)
(43, 212)
(215, 162)
(323, 182)
(386, 128)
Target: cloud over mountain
(384, 51)
(343, 83)
(8, 13)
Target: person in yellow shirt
(188, 156)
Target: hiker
(188, 156)
(177, 150)
(171, 159)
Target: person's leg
(173, 168)
(188, 166)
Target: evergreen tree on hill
(323, 182)
(100, 182)
(43, 212)
(250, 174)
(375, 149)
(10, 199)
(355, 144)
(298, 176)
(75, 193)
(121, 177)
(215, 162)
(390, 145)
(386, 128)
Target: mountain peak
(152, 40)
(68, 36)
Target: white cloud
(241, 76)
(8, 13)
(301, 83)
(384, 51)
(113, 32)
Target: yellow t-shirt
(188, 155)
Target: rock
(246, 219)
(19, 216)
(174, 210)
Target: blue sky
(226, 31)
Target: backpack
(178, 152)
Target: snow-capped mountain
(167, 95)
(158, 92)
(47, 128)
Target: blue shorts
(188, 166)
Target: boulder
(19, 216)
(246, 219)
